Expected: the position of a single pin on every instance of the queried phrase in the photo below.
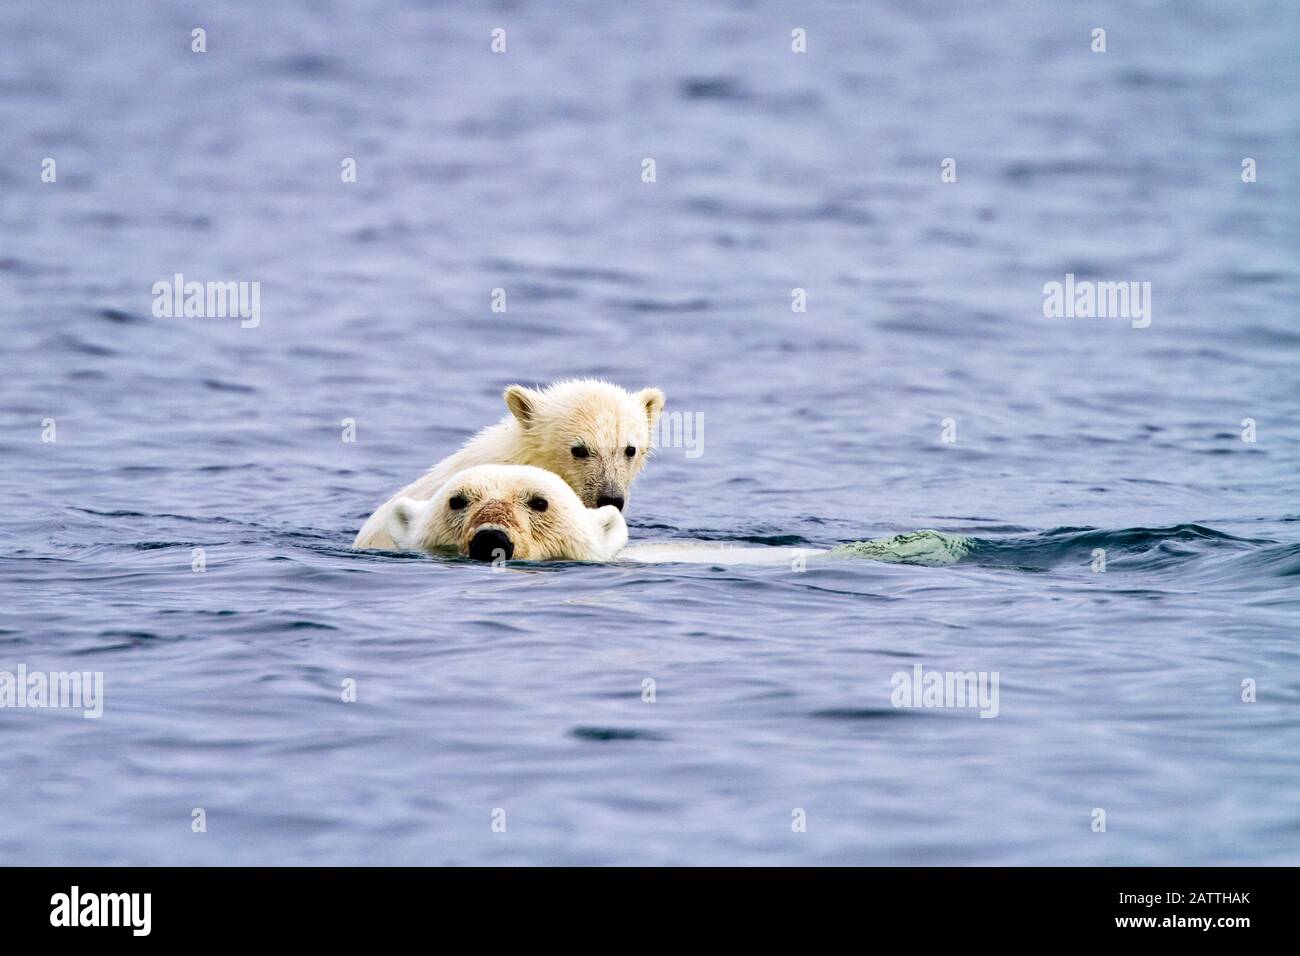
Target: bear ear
(522, 403)
(404, 522)
(652, 400)
(611, 532)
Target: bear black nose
(489, 544)
(615, 500)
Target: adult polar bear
(505, 512)
(594, 435)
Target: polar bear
(505, 512)
(594, 435)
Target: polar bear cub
(594, 435)
(505, 512)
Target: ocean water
(922, 388)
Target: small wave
(217, 385)
(316, 66)
(663, 305)
(615, 733)
(1123, 549)
(713, 88)
(863, 713)
(120, 316)
(72, 343)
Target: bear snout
(609, 494)
(488, 544)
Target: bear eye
(456, 502)
(630, 451)
(579, 451)
(538, 503)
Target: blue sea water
(520, 695)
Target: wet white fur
(541, 428)
(498, 497)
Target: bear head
(594, 435)
(508, 512)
